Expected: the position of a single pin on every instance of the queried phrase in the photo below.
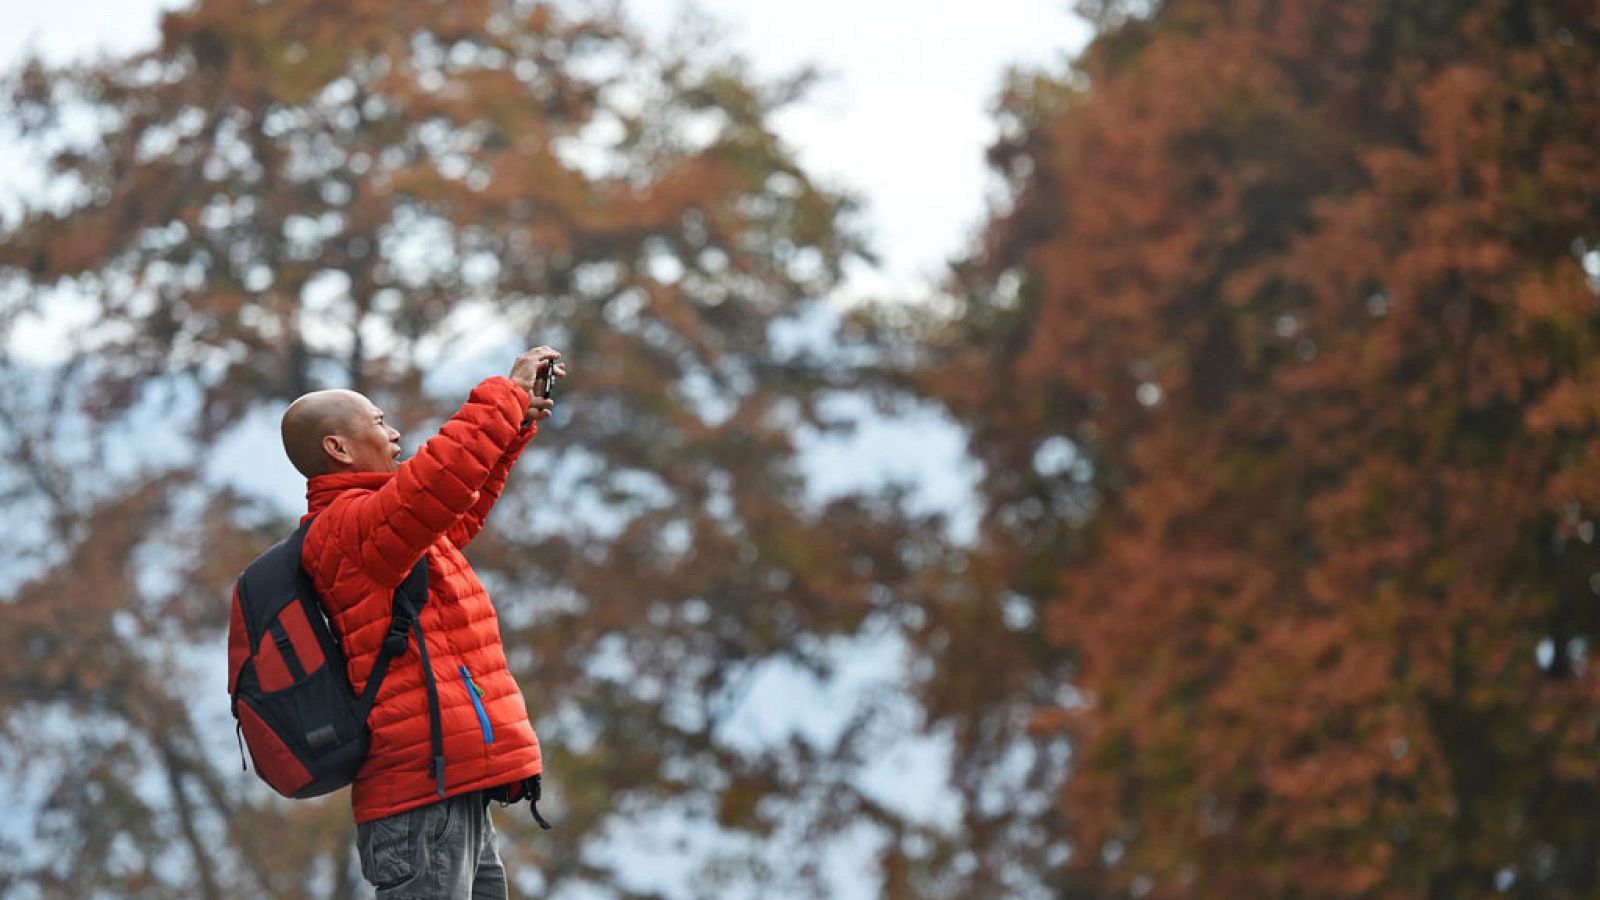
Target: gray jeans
(442, 851)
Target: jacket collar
(322, 489)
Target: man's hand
(526, 372)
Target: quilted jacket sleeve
(471, 522)
(390, 528)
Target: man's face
(373, 446)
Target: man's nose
(394, 435)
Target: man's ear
(334, 446)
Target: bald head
(337, 430)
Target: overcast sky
(902, 119)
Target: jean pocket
(436, 820)
(389, 850)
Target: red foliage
(1304, 285)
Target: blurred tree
(398, 197)
(1282, 360)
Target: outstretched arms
(389, 529)
(530, 372)
(471, 522)
(448, 487)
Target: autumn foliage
(1280, 357)
(399, 197)
(1283, 363)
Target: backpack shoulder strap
(406, 606)
(409, 599)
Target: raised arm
(471, 522)
(390, 528)
(533, 371)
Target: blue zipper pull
(474, 692)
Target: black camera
(547, 375)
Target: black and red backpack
(305, 725)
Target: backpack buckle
(394, 642)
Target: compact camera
(547, 376)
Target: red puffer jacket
(371, 528)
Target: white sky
(902, 119)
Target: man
(423, 830)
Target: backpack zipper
(476, 694)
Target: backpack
(292, 699)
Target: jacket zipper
(477, 704)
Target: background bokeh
(1141, 450)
